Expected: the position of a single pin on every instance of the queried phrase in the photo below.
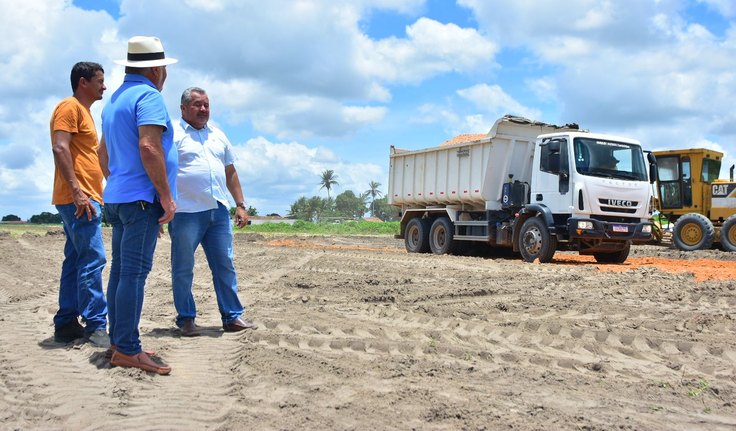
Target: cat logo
(722, 190)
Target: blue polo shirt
(136, 103)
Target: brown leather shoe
(110, 350)
(239, 325)
(141, 360)
(189, 329)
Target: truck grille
(621, 206)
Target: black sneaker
(69, 332)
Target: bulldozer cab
(684, 179)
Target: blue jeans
(134, 235)
(80, 290)
(212, 229)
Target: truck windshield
(609, 159)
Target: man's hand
(83, 205)
(169, 207)
(241, 217)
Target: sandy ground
(357, 334)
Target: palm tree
(328, 180)
(373, 192)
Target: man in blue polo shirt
(139, 160)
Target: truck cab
(595, 188)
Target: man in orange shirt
(78, 198)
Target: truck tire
(728, 234)
(416, 238)
(441, 236)
(693, 232)
(535, 241)
(615, 257)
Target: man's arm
(103, 157)
(60, 143)
(154, 161)
(233, 185)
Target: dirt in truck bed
(357, 334)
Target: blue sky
(304, 86)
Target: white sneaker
(98, 338)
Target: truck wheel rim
(439, 237)
(731, 235)
(533, 241)
(691, 234)
(414, 236)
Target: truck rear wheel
(693, 232)
(441, 236)
(416, 238)
(615, 257)
(728, 233)
(535, 241)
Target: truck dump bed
(468, 173)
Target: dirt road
(357, 334)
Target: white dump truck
(530, 186)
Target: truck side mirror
(652, 168)
(553, 146)
(551, 157)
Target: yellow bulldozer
(690, 195)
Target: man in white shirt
(206, 169)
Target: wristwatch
(240, 205)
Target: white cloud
(274, 175)
(544, 88)
(206, 5)
(542, 25)
(491, 99)
(726, 8)
(304, 72)
(429, 113)
(640, 63)
(431, 48)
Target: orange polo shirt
(73, 117)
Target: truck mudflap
(586, 228)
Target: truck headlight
(647, 228)
(585, 225)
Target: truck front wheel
(615, 257)
(693, 232)
(728, 233)
(440, 236)
(416, 238)
(535, 241)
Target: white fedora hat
(145, 51)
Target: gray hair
(186, 96)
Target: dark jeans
(134, 235)
(80, 286)
(213, 229)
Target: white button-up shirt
(203, 155)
